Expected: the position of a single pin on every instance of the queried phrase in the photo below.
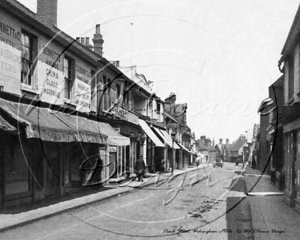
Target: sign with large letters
(50, 83)
(10, 68)
(82, 96)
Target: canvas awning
(183, 147)
(150, 133)
(114, 138)
(166, 137)
(55, 126)
(4, 125)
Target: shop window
(52, 159)
(68, 77)
(26, 58)
(16, 168)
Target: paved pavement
(271, 217)
(10, 221)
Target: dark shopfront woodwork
(15, 169)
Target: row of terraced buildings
(69, 118)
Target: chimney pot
(87, 41)
(97, 28)
(82, 40)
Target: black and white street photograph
(149, 119)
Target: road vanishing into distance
(207, 203)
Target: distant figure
(140, 168)
(197, 161)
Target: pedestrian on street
(140, 169)
(198, 161)
(253, 162)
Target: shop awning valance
(150, 133)
(56, 126)
(4, 125)
(114, 138)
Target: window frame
(27, 75)
(68, 79)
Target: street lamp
(173, 134)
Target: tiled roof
(237, 145)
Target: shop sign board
(50, 84)
(82, 96)
(10, 68)
(112, 149)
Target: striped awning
(183, 147)
(150, 133)
(166, 137)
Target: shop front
(45, 153)
(155, 149)
(291, 166)
(125, 155)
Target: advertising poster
(50, 82)
(82, 96)
(10, 68)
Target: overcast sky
(218, 56)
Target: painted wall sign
(10, 68)
(53, 58)
(9, 34)
(50, 82)
(83, 74)
(82, 96)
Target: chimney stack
(98, 41)
(82, 40)
(227, 141)
(47, 12)
(221, 141)
(87, 43)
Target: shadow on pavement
(238, 185)
(53, 200)
(238, 215)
